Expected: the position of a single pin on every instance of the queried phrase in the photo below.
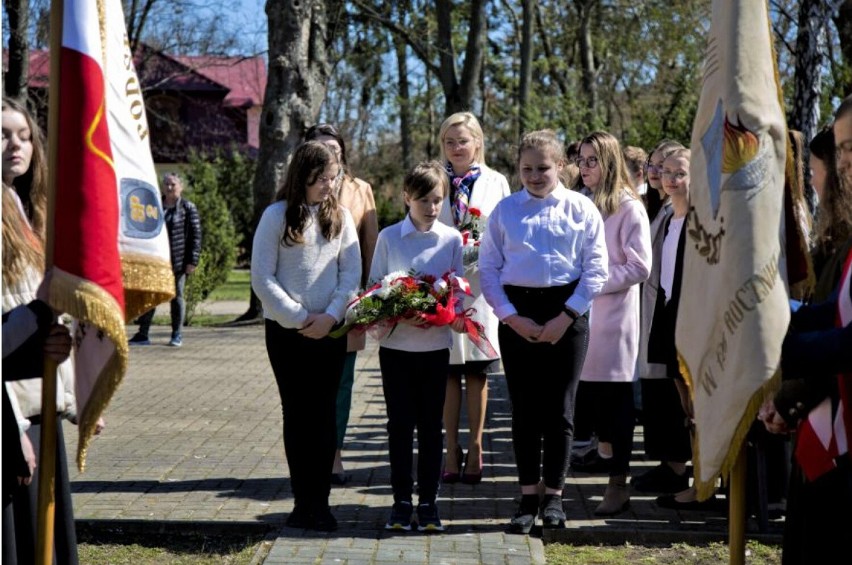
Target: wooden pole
(47, 467)
(48, 447)
(737, 509)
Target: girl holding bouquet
(475, 190)
(542, 262)
(305, 266)
(414, 357)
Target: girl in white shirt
(305, 267)
(542, 261)
(414, 360)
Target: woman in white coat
(475, 191)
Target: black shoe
(299, 517)
(139, 339)
(591, 462)
(324, 520)
(662, 479)
(427, 518)
(551, 513)
(524, 518)
(400, 517)
(712, 504)
(522, 522)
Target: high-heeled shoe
(472, 478)
(448, 477)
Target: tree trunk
(587, 57)
(529, 9)
(404, 103)
(814, 16)
(15, 80)
(844, 34)
(298, 75)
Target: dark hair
(844, 108)
(319, 130)
(834, 212)
(309, 161)
(424, 177)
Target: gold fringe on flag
(148, 282)
(86, 301)
(705, 488)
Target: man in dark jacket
(184, 228)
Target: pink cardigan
(614, 321)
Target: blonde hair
(615, 179)
(682, 152)
(22, 248)
(469, 121)
(543, 140)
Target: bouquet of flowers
(402, 295)
(471, 232)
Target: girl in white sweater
(305, 267)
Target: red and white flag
(110, 248)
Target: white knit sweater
(307, 278)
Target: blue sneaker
(139, 339)
(427, 518)
(400, 518)
(176, 340)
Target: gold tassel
(87, 301)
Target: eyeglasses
(587, 163)
(680, 175)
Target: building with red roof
(203, 103)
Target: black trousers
(20, 516)
(818, 521)
(665, 426)
(308, 403)
(612, 411)
(542, 381)
(414, 385)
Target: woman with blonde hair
(475, 189)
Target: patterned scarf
(462, 187)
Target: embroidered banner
(734, 309)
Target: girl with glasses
(663, 418)
(606, 382)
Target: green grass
(675, 554)
(130, 549)
(237, 287)
(133, 549)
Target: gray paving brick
(194, 435)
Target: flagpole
(737, 509)
(47, 449)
